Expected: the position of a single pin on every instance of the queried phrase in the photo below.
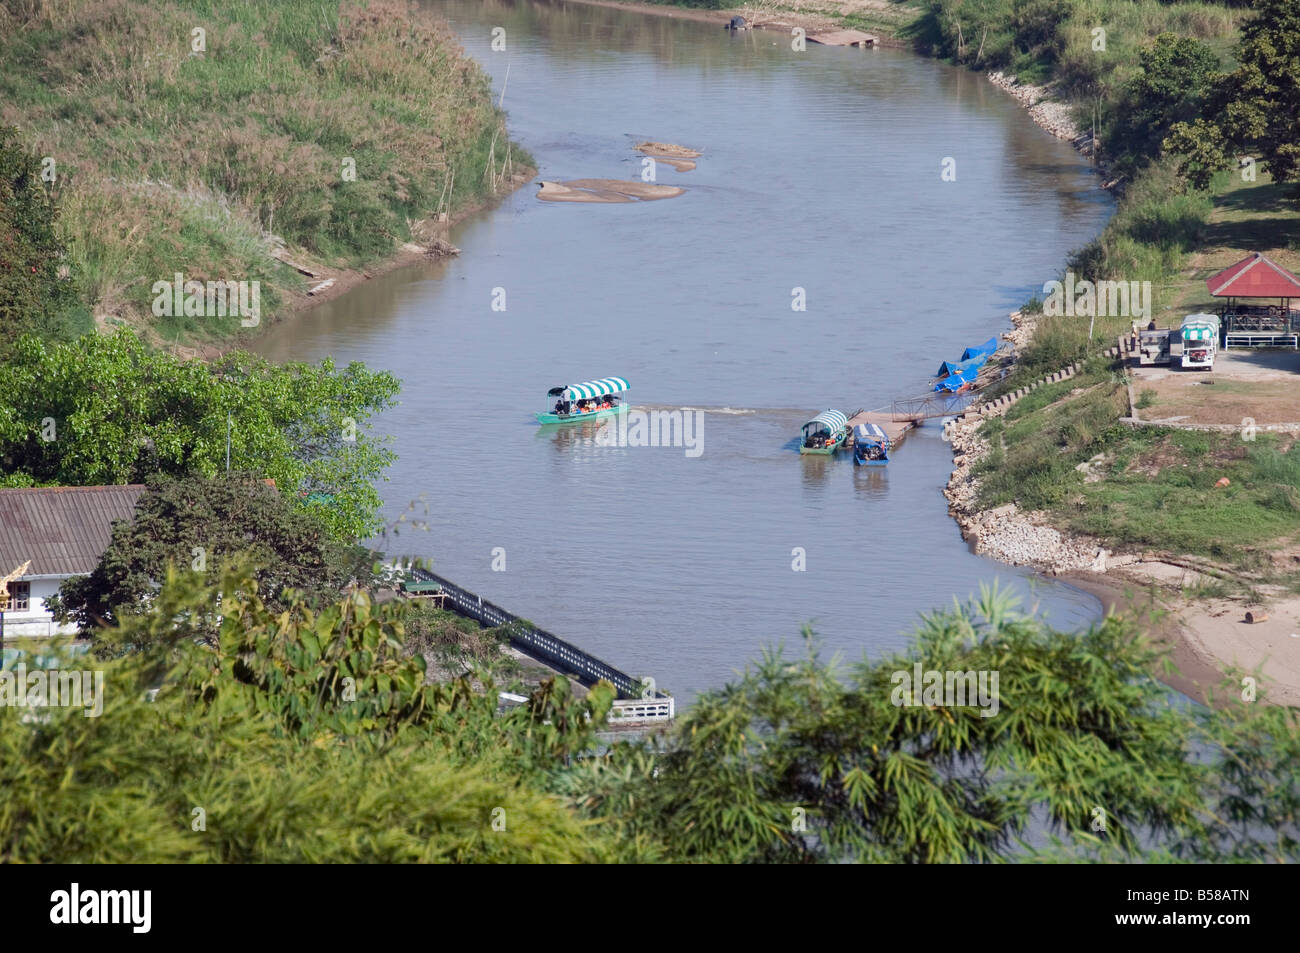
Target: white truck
(1200, 336)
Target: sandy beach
(1205, 637)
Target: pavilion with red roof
(1257, 276)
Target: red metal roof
(1255, 276)
(63, 530)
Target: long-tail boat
(590, 400)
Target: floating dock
(844, 38)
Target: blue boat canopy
(833, 419)
(589, 389)
(987, 349)
(869, 433)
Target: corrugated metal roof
(63, 530)
(1246, 279)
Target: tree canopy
(107, 410)
(34, 294)
(199, 523)
(1257, 110)
(311, 734)
(1176, 78)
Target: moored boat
(590, 400)
(870, 446)
(825, 433)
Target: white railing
(632, 710)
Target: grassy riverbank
(212, 138)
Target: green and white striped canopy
(1199, 332)
(833, 419)
(599, 388)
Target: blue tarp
(966, 368)
(986, 349)
(954, 382)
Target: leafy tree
(199, 522)
(311, 735)
(1177, 73)
(106, 410)
(794, 763)
(33, 296)
(303, 736)
(1258, 111)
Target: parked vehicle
(1153, 346)
(1200, 337)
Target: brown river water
(820, 171)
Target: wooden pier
(893, 427)
(844, 38)
(908, 413)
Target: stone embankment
(1052, 115)
(1005, 532)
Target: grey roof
(63, 530)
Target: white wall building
(62, 531)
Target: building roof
(1255, 276)
(63, 530)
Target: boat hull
(579, 418)
(821, 451)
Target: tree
(794, 763)
(299, 737)
(1258, 111)
(198, 523)
(106, 410)
(33, 295)
(310, 734)
(1177, 73)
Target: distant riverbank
(331, 141)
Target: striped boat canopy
(589, 389)
(870, 433)
(1199, 332)
(833, 419)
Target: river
(821, 171)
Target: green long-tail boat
(824, 434)
(590, 400)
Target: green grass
(1043, 40)
(171, 160)
(1180, 508)
(1159, 485)
(1042, 439)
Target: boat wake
(731, 411)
